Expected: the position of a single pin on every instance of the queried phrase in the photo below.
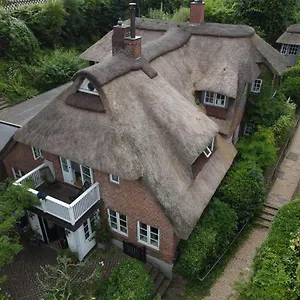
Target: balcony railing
(67, 212)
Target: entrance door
(87, 236)
(67, 171)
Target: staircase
(161, 283)
(268, 215)
(3, 104)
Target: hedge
(276, 265)
(210, 237)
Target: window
(284, 48)
(86, 229)
(215, 99)
(249, 128)
(209, 149)
(37, 153)
(86, 175)
(114, 179)
(293, 49)
(117, 222)
(148, 235)
(88, 87)
(256, 86)
(17, 173)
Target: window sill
(119, 232)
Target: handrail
(30, 173)
(57, 201)
(84, 194)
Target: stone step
(148, 267)
(269, 211)
(163, 287)
(267, 217)
(158, 281)
(263, 223)
(270, 205)
(153, 273)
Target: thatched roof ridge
(291, 36)
(295, 28)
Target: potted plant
(103, 234)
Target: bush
(210, 237)
(17, 41)
(103, 233)
(259, 148)
(129, 282)
(276, 265)
(56, 68)
(72, 256)
(291, 88)
(282, 127)
(243, 189)
(45, 20)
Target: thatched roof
(148, 125)
(291, 36)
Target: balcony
(59, 199)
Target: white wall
(35, 224)
(72, 241)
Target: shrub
(72, 256)
(291, 88)
(276, 265)
(103, 233)
(56, 68)
(130, 281)
(282, 127)
(17, 41)
(210, 237)
(243, 189)
(45, 20)
(181, 15)
(259, 148)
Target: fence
(13, 4)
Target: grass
(196, 289)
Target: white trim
(148, 243)
(90, 176)
(118, 229)
(209, 149)
(256, 86)
(215, 98)
(84, 88)
(112, 180)
(40, 155)
(17, 173)
(284, 49)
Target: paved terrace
(282, 192)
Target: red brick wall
(21, 157)
(130, 198)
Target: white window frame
(17, 173)
(118, 223)
(209, 149)
(112, 180)
(37, 153)
(284, 49)
(256, 86)
(293, 50)
(84, 88)
(148, 243)
(88, 224)
(213, 99)
(90, 176)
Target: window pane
(154, 236)
(115, 178)
(143, 226)
(154, 230)
(114, 225)
(112, 213)
(143, 238)
(86, 171)
(123, 217)
(154, 243)
(113, 219)
(123, 229)
(209, 97)
(122, 223)
(143, 232)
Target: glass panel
(143, 232)
(154, 243)
(112, 213)
(86, 171)
(113, 225)
(220, 100)
(123, 218)
(154, 230)
(154, 236)
(113, 219)
(143, 238)
(123, 229)
(86, 178)
(86, 230)
(209, 97)
(123, 223)
(143, 226)
(115, 178)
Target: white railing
(33, 176)
(67, 212)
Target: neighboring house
(128, 133)
(290, 43)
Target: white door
(87, 235)
(67, 170)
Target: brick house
(290, 44)
(128, 133)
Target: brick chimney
(133, 43)
(120, 31)
(197, 12)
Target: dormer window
(289, 49)
(88, 87)
(215, 99)
(209, 149)
(256, 86)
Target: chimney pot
(132, 19)
(197, 12)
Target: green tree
(270, 16)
